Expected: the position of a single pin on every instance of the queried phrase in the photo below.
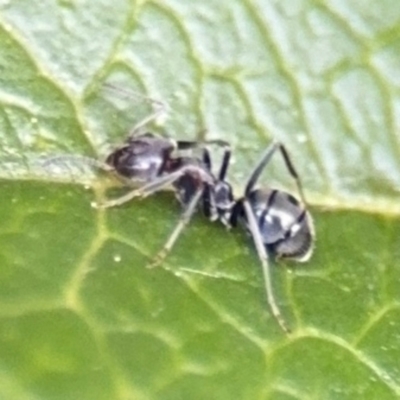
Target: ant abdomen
(141, 158)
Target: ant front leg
(263, 256)
(265, 159)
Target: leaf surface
(81, 316)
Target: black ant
(279, 224)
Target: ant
(279, 224)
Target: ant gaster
(278, 223)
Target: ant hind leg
(48, 160)
(159, 107)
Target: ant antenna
(265, 159)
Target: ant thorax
(189, 183)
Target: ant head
(298, 241)
(285, 225)
(141, 157)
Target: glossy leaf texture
(81, 315)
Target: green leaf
(81, 317)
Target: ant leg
(265, 159)
(207, 159)
(193, 144)
(209, 208)
(83, 159)
(159, 108)
(183, 221)
(262, 255)
(236, 214)
(225, 163)
(158, 184)
(185, 145)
